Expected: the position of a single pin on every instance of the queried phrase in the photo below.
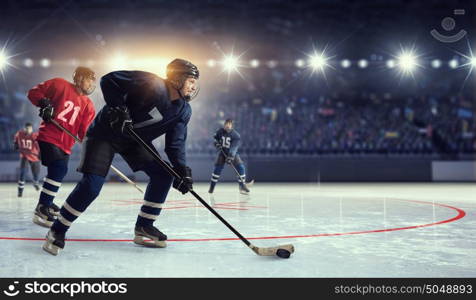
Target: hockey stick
(237, 173)
(112, 167)
(283, 251)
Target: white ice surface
(271, 210)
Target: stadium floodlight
(407, 62)
(230, 63)
(473, 62)
(345, 63)
(318, 61)
(3, 60)
(391, 64)
(28, 62)
(45, 63)
(436, 63)
(363, 63)
(299, 63)
(254, 63)
(453, 63)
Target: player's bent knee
(92, 184)
(58, 169)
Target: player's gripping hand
(46, 110)
(229, 159)
(217, 145)
(184, 185)
(119, 118)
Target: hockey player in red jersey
(25, 142)
(69, 105)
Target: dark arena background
(357, 125)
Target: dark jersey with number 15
(230, 141)
(153, 114)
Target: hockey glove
(229, 159)
(217, 145)
(119, 118)
(46, 110)
(184, 185)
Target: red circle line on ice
(461, 214)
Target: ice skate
(54, 242)
(157, 238)
(42, 216)
(244, 189)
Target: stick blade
(272, 251)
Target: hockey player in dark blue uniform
(227, 141)
(153, 106)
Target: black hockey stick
(283, 251)
(236, 171)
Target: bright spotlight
(45, 63)
(3, 60)
(211, 63)
(407, 62)
(473, 61)
(230, 63)
(28, 62)
(391, 64)
(254, 63)
(299, 63)
(318, 61)
(453, 63)
(363, 63)
(436, 63)
(345, 63)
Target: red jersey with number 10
(73, 111)
(27, 145)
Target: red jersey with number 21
(73, 111)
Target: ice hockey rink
(338, 230)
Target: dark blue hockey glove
(229, 159)
(46, 110)
(119, 118)
(185, 184)
(217, 145)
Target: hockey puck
(283, 253)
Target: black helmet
(177, 73)
(180, 67)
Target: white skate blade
(42, 222)
(244, 192)
(141, 240)
(50, 248)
